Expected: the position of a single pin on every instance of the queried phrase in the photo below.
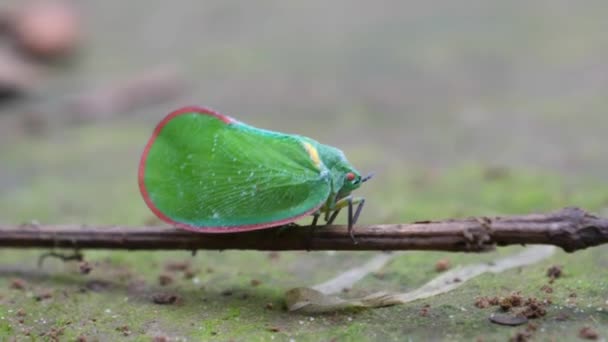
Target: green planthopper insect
(209, 173)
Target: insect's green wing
(207, 172)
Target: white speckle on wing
(214, 143)
(189, 156)
(216, 215)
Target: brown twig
(570, 228)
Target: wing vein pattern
(205, 173)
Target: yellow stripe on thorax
(313, 153)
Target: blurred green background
(461, 108)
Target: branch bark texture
(570, 228)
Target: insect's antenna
(368, 177)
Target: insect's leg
(330, 219)
(315, 218)
(349, 201)
(352, 219)
(333, 216)
(343, 202)
(361, 201)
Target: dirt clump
(513, 300)
(165, 279)
(175, 266)
(521, 336)
(85, 267)
(485, 302)
(165, 298)
(255, 282)
(181, 266)
(124, 329)
(43, 294)
(588, 333)
(526, 334)
(274, 255)
(529, 308)
(442, 265)
(531, 327)
(494, 300)
(554, 272)
(533, 308)
(53, 335)
(482, 302)
(17, 284)
(189, 273)
(424, 312)
(514, 310)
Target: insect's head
(353, 180)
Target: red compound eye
(350, 176)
